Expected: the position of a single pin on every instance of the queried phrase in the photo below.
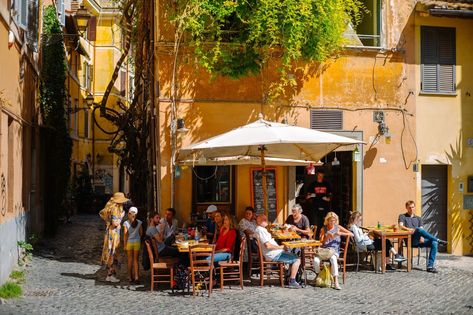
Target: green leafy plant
(57, 144)
(18, 275)
(25, 250)
(10, 290)
(236, 38)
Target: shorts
(133, 245)
(287, 258)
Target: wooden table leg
(304, 272)
(409, 254)
(383, 254)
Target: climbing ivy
(56, 142)
(235, 38)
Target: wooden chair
(253, 255)
(233, 270)
(314, 232)
(157, 266)
(342, 259)
(267, 267)
(201, 266)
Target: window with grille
(438, 59)
(326, 119)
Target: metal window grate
(326, 119)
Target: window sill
(370, 48)
(423, 93)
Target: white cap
(211, 208)
(133, 210)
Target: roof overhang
(448, 8)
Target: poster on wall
(257, 191)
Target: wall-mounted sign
(257, 191)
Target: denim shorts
(287, 258)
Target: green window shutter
(438, 59)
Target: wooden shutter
(92, 29)
(438, 59)
(326, 119)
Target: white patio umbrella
(265, 140)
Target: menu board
(257, 191)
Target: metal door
(434, 200)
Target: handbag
(324, 253)
(324, 279)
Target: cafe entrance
(338, 170)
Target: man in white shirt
(248, 223)
(170, 226)
(274, 252)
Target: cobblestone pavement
(64, 278)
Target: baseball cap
(211, 208)
(133, 210)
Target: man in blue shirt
(210, 223)
(410, 222)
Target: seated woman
(364, 242)
(330, 238)
(298, 221)
(226, 239)
(218, 219)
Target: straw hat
(119, 197)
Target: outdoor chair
(342, 259)
(266, 267)
(253, 255)
(419, 248)
(233, 270)
(364, 253)
(202, 266)
(157, 267)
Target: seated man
(248, 223)
(299, 222)
(274, 252)
(170, 226)
(156, 230)
(409, 221)
(210, 222)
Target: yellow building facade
(445, 118)
(90, 69)
(377, 78)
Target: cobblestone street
(64, 278)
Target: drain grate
(41, 292)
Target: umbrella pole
(265, 192)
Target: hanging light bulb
(335, 161)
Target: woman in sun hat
(112, 214)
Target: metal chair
(202, 265)
(233, 270)
(267, 267)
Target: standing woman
(132, 242)
(112, 214)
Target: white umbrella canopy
(281, 141)
(244, 160)
(267, 141)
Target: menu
(257, 191)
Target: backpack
(181, 277)
(145, 257)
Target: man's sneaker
(442, 242)
(399, 258)
(293, 285)
(112, 279)
(432, 270)
(390, 268)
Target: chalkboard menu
(257, 191)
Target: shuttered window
(438, 59)
(326, 119)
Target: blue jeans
(429, 241)
(287, 258)
(220, 257)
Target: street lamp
(82, 18)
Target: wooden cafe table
(183, 247)
(302, 244)
(389, 232)
(285, 236)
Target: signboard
(257, 191)
(468, 202)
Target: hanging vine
(236, 38)
(57, 143)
